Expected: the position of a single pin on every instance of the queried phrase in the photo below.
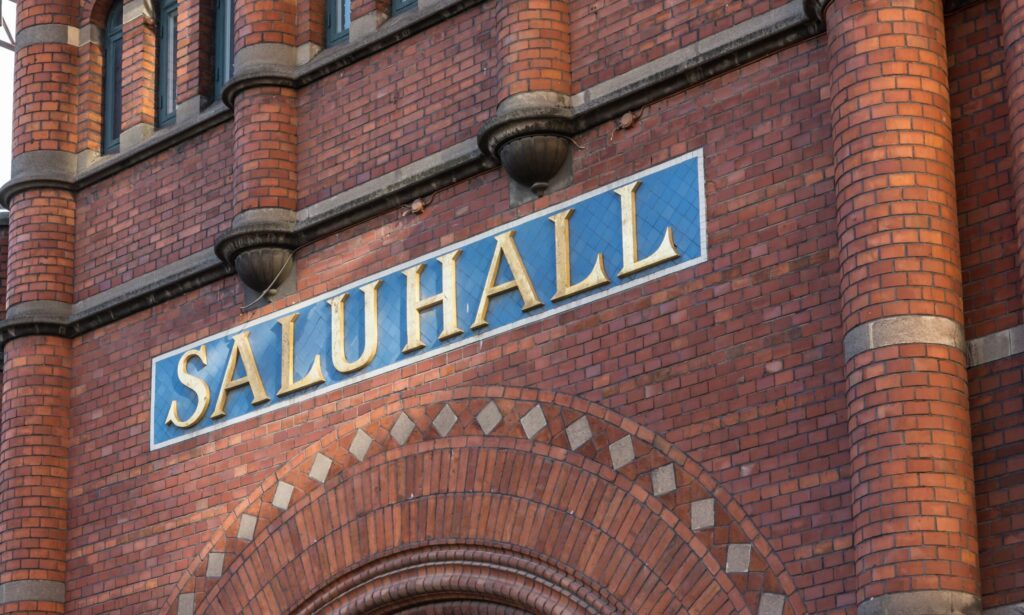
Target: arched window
(223, 39)
(112, 52)
(339, 18)
(397, 6)
(166, 61)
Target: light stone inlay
(489, 418)
(215, 565)
(321, 466)
(533, 421)
(738, 558)
(771, 604)
(663, 479)
(445, 420)
(283, 495)
(702, 514)
(186, 604)
(360, 445)
(578, 433)
(246, 527)
(402, 429)
(622, 452)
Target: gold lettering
(198, 386)
(338, 356)
(631, 262)
(563, 265)
(506, 249)
(240, 348)
(314, 376)
(447, 299)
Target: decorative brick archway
(506, 500)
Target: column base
(925, 602)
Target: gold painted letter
(506, 249)
(447, 299)
(631, 261)
(340, 360)
(198, 386)
(315, 375)
(240, 348)
(563, 264)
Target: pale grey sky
(6, 95)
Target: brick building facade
(822, 411)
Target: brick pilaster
(265, 133)
(34, 422)
(194, 61)
(534, 39)
(138, 79)
(1012, 14)
(912, 472)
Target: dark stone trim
(32, 591)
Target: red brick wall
(736, 361)
(415, 98)
(988, 247)
(611, 37)
(154, 213)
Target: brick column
(34, 423)
(261, 239)
(138, 78)
(529, 133)
(912, 471)
(534, 40)
(1013, 47)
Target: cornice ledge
(723, 51)
(150, 289)
(401, 186)
(63, 175)
(393, 31)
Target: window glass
(166, 61)
(339, 18)
(112, 52)
(223, 53)
(397, 6)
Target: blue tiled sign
(642, 227)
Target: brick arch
(599, 478)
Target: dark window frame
(339, 19)
(113, 57)
(166, 61)
(223, 44)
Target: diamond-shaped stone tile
(771, 604)
(321, 466)
(578, 433)
(246, 527)
(622, 452)
(402, 429)
(663, 479)
(533, 421)
(489, 418)
(360, 444)
(738, 558)
(283, 495)
(186, 604)
(445, 420)
(702, 514)
(214, 565)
